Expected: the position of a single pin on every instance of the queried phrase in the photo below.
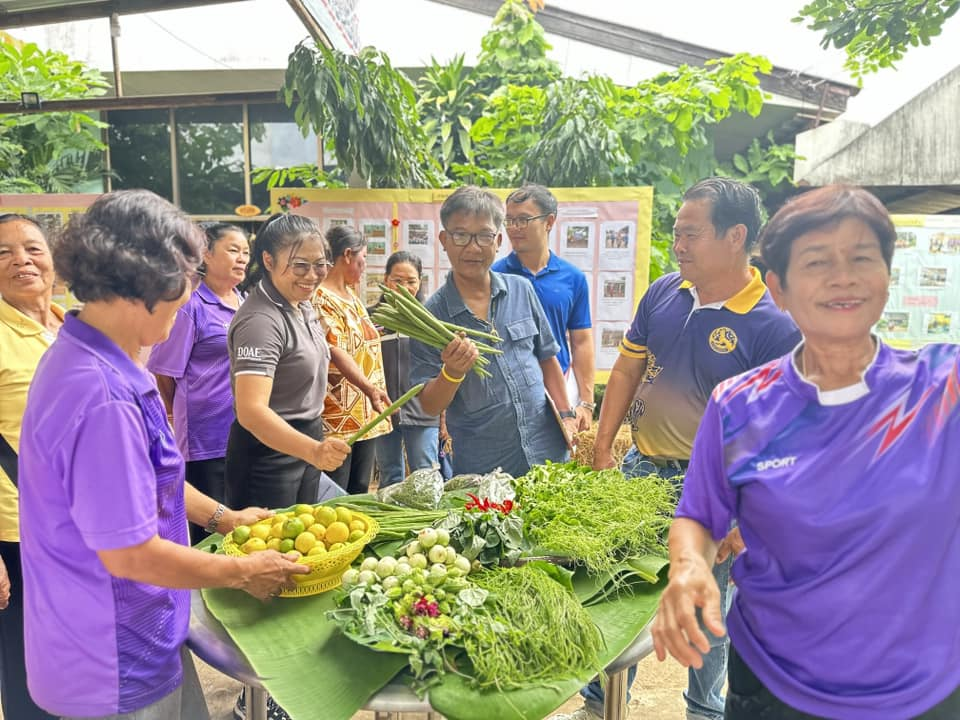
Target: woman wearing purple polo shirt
(838, 463)
(103, 503)
(192, 366)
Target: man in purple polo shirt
(102, 495)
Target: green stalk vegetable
(398, 403)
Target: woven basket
(326, 569)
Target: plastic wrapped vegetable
(421, 489)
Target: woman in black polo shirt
(278, 368)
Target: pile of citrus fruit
(306, 530)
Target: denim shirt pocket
(522, 334)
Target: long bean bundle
(396, 522)
(531, 630)
(401, 312)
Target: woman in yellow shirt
(29, 321)
(346, 409)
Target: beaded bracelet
(448, 378)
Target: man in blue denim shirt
(505, 420)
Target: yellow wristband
(448, 378)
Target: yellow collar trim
(22, 324)
(745, 300)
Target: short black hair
(18, 217)
(823, 208)
(731, 203)
(472, 200)
(129, 244)
(540, 194)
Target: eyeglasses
(461, 239)
(522, 222)
(300, 269)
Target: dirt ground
(656, 693)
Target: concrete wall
(919, 144)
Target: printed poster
(924, 302)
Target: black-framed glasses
(462, 239)
(300, 268)
(523, 221)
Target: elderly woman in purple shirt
(192, 366)
(838, 463)
(103, 502)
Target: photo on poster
(614, 295)
(372, 291)
(419, 239)
(946, 243)
(617, 244)
(52, 223)
(894, 276)
(377, 235)
(906, 239)
(608, 337)
(938, 323)
(894, 322)
(576, 243)
(330, 222)
(933, 277)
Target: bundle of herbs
(531, 629)
(487, 531)
(595, 517)
(401, 312)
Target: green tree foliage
(876, 33)
(514, 118)
(47, 152)
(367, 108)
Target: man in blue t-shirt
(560, 286)
(693, 329)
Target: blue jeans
(704, 686)
(421, 443)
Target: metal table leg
(615, 696)
(256, 703)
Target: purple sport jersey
(99, 470)
(849, 505)
(195, 355)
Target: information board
(603, 231)
(924, 303)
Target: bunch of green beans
(401, 312)
(396, 523)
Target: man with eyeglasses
(561, 287)
(504, 420)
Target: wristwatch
(588, 405)
(564, 414)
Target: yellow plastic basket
(327, 568)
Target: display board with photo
(924, 301)
(603, 231)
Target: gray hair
(130, 244)
(541, 196)
(472, 200)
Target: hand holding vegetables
(459, 356)
(329, 454)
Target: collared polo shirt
(195, 355)
(849, 506)
(689, 349)
(22, 342)
(505, 420)
(562, 290)
(99, 470)
(270, 337)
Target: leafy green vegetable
(531, 630)
(595, 517)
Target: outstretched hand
(676, 629)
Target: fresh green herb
(595, 517)
(391, 408)
(531, 630)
